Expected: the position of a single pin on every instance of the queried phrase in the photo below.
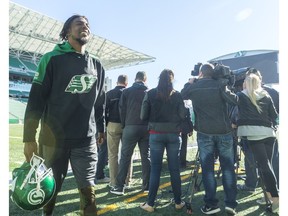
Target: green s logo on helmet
(33, 184)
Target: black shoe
(117, 190)
(210, 210)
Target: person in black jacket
(134, 131)
(251, 170)
(214, 135)
(164, 108)
(64, 96)
(114, 128)
(257, 118)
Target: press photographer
(210, 95)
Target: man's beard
(83, 40)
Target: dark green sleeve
(37, 100)
(35, 107)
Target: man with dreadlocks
(64, 95)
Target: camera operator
(214, 134)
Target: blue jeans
(158, 143)
(223, 144)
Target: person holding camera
(214, 134)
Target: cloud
(244, 14)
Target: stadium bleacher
(21, 65)
(19, 89)
(21, 73)
(31, 66)
(31, 34)
(15, 63)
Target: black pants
(183, 150)
(263, 153)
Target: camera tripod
(194, 182)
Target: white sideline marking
(14, 137)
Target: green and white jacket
(64, 96)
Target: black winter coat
(163, 116)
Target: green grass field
(109, 204)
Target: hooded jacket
(64, 95)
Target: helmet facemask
(33, 184)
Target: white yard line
(14, 137)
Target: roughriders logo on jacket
(81, 84)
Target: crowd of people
(89, 128)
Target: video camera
(196, 70)
(224, 73)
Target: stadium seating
(21, 66)
(19, 89)
(14, 62)
(31, 66)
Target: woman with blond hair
(257, 118)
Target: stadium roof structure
(242, 53)
(32, 34)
